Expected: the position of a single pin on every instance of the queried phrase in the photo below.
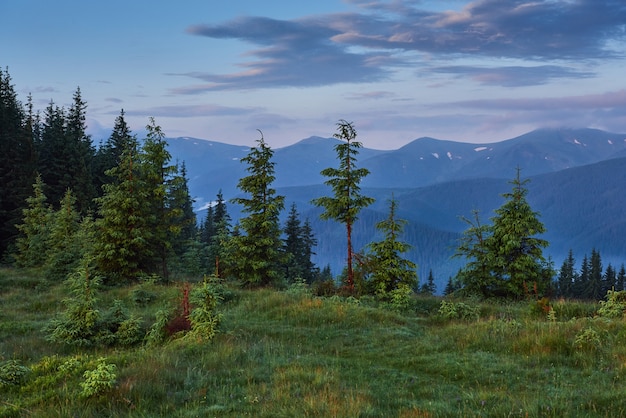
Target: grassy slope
(286, 354)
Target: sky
(472, 71)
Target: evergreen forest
(117, 300)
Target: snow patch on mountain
(435, 154)
(478, 149)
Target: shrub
(458, 310)
(203, 317)
(400, 297)
(12, 373)
(614, 306)
(587, 340)
(99, 380)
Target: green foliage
(458, 310)
(614, 306)
(204, 317)
(390, 272)
(256, 254)
(32, 244)
(12, 373)
(78, 325)
(100, 380)
(505, 259)
(400, 298)
(347, 201)
(588, 340)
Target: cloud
(513, 76)
(608, 100)
(190, 111)
(371, 95)
(380, 37)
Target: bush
(614, 306)
(458, 310)
(99, 380)
(12, 373)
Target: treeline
(591, 281)
(122, 209)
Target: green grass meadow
(291, 354)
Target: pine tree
(389, 269)
(122, 247)
(429, 288)
(621, 279)
(65, 249)
(609, 279)
(158, 175)
(581, 281)
(17, 161)
(298, 246)
(594, 285)
(32, 244)
(475, 277)
(567, 277)
(218, 236)
(347, 201)
(517, 260)
(109, 154)
(257, 252)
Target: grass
(286, 354)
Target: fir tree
(567, 277)
(581, 282)
(347, 201)
(389, 269)
(475, 276)
(516, 254)
(609, 279)
(429, 288)
(17, 161)
(299, 241)
(65, 249)
(32, 244)
(257, 252)
(124, 228)
(621, 279)
(594, 285)
(110, 153)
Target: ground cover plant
(290, 353)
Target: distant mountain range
(578, 185)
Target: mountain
(577, 181)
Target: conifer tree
(17, 161)
(299, 241)
(516, 254)
(620, 282)
(609, 279)
(158, 175)
(65, 249)
(581, 282)
(32, 244)
(124, 228)
(475, 276)
(567, 276)
(429, 288)
(594, 285)
(257, 252)
(109, 154)
(347, 201)
(388, 267)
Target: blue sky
(475, 71)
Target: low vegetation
(291, 353)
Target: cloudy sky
(476, 71)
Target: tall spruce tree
(158, 174)
(32, 244)
(620, 283)
(516, 253)
(567, 277)
(109, 154)
(581, 282)
(475, 277)
(594, 285)
(389, 268)
(347, 201)
(124, 228)
(298, 246)
(17, 161)
(257, 253)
